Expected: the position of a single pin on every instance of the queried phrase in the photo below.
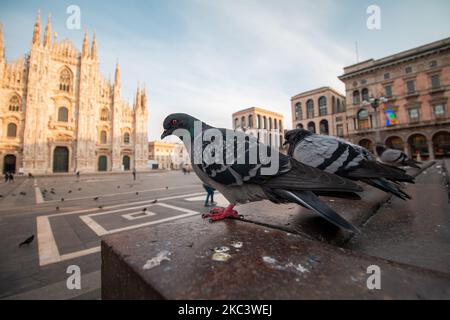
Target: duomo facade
(59, 114)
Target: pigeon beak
(165, 134)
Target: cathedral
(59, 114)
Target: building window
(270, 123)
(388, 91)
(322, 106)
(280, 125)
(435, 81)
(312, 127)
(365, 94)
(65, 81)
(275, 124)
(408, 70)
(12, 130)
(236, 123)
(104, 115)
(413, 114)
(433, 64)
(264, 122)
(298, 111)
(250, 121)
(438, 110)
(63, 114)
(387, 76)
(243, 122)
(258, 119)
(363, 119)
(310, 109)
(103, 137)
(410, 87)
(340, 130)
(356, 97)
(324, 127)
(126, 138)
(14, 104)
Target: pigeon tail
(309, 200)
(387, 186)
(412, 163)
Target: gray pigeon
(395, 157)
(27, 241)
(345, 159)
(242, 181)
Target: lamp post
(375, 104)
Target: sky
(210, 58)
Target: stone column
(431, 149)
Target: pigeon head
(293, 136)
(380, 148)
(178, 121)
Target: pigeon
(100, 207)
(137, 193)
(1, 196)
(155, 201)
(62, 199)
(395, 157)
(52, 192)
(118, 187)
(243, 179)
(23, 193)
(27, 241)
(79, 189)
(345, 159)
(96, 198)
(57, 208)
(144, 210)
(70, 191)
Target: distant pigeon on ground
(144, 210)
(241, 179)
(96, 198)
(345, 159)
(137, 193)
(57, 208)
(23, 193)
(395, 157)
(1, 196)
(79, 189)
(118, 187)
(27, 241)
(70, 191)
(155, 201)
(100, 207)
(62, 199)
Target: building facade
(59, 114)
(162, 154)
(266, 125)
(320, 110)
(413, 88)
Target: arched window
(363, 119)
(322, 106)
(312, 127)
(103, 137)
(324, 127)
(243, 122)
(333, 104)
(264, 122)
(14, 104)
(126, 138)
(310, 109)
(259, 121)
(365, 94)
(250, 121)
(65, 81)
(280, 125)
(63, 114)
(298, 111)
(270, 123)
(299, 126)
(275, 124)
(236, 123)
(356, 97)
(12, 130)
(104, 115)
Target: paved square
(68, 218)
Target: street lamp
(375, 104)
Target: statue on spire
(37, 30)
(48, 32)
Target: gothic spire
(37, 30)
(94, 48)
(2, 45)
(48, 32)
(117, 75)
(85, 50)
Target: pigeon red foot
(217, 214)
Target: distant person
(11, 177)
(210, 195)
(134, 174)
(6, 177)
(184, 170)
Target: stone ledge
(271, 264)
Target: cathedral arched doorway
(61, 159)
(366, 143)
(418, 145)
(9, 163)
(126, 163)
(395, 142)
(102, 163)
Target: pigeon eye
(174, 122)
